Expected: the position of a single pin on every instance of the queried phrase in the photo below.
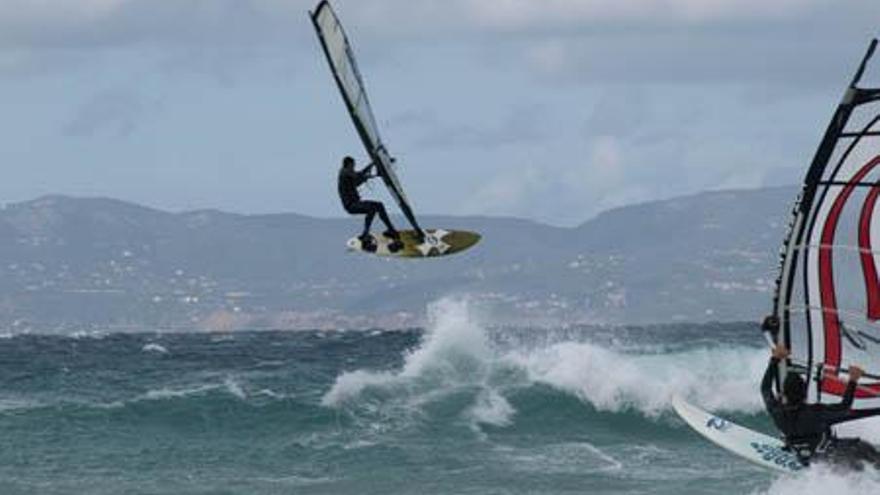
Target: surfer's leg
(368, 220)
(365, 208)
(379, 208)
(387, 221)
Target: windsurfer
(349, 181)
(807, 427)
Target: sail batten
(829, 260)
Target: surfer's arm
(849, 394)
(770, 400)
(365, 175)
(863, 413)
(840, 412)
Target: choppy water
(452, 409)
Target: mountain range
(71, 264)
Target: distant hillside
(74, 263)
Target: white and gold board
(437, 242)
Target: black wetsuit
(807, 427)
(349, 181)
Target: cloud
(642, 41)
(117, 23)
(121, 22)
(573, 40)
(765, 58)
(116, 112)
(625, 100)
(522, 124)
(523, 13)
(560, 190)
(622, 111)
(638, 144)
(413, 16)
(212, 37)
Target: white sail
(351, 85)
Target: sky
(553, 110)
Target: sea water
(455, 408)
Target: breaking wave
(457, 353)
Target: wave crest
(721, 379)
(456, 352)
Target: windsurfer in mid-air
(807, 427)
(349, 181)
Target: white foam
(454, 358)
(234, 387)
(491, 408)
(572, 458)
(89, 334)
(294, 480)
(821, 480)
(167, 393)
(350, 384)
(268, 392)
(721, 379)
(230, 384)
(14, 404)
(152, 347)
(174, 393)
(455, 351)
(454, 343)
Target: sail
(351, 86)
(828, 292)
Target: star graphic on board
(434, 240)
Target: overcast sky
(547, 109)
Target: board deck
(758, 448)
(438, 242)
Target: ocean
(459, 407)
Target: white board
(755, 447)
